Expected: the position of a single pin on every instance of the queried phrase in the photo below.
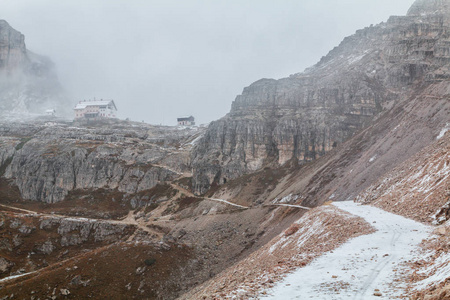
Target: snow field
(363, 266)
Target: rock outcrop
(28, 82)
(430, 7)
(307, 114)
(47, 162)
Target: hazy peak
(427, 7)
(3, 23)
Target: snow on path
(226, 202)
(16, 276)
(290, 205)
(363, 264)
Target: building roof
(84, 104)
(185, 118)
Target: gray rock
(47, 247)
(5, 265)
(78, 281)
(54, 162)
(26, 229)
(140, 270)
(304, 116)
(47, 224)
(72, 239)
(31, 82)
(15, 224)
(17, 241)
(5, 244)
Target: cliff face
(307, 114)
(28, 83)
(46, 163)
(13, 53)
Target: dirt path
(190, 194)
(16, 276)
(361, 268)
(227, 202)
(56, 264)
(20, 209)
(289, 205)
(183, 190)
(128, 220)
(172, 170)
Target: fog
(162, 59)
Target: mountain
(308, 114)
(28, 82)
(226, 212)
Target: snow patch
(301, 236)
(353, 60)
(440, 270)
(195, 141)
(16, 276)
(443, 131)
(363, 264)
(287, 199)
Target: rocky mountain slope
(306, 115)
(225, 212)
(46, 163)
(418, 188)
(28, 82)
(125, 175)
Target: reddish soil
(419, 187)
(293, 248)
(119, 271)
(21, 238)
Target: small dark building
(186, 121)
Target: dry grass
(23, 248)
(118, 271)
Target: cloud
(162, 59)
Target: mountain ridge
(305, 115)
(369, 121)
(28, 81)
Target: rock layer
(46, 163)
(307, 114)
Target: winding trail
(16, 276)
(128, 220)
(289, 205)
(227, 202)
(190, 194)
(360, 267)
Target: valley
(332, 183)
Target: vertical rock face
(28, 83)
(13, 53)
(307, 114)
(46, 163)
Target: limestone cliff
(28, 82)
(48, 162)
(307, 114)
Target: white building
(93, 109)
(50, 112)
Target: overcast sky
(163, 59)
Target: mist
(162, 59)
